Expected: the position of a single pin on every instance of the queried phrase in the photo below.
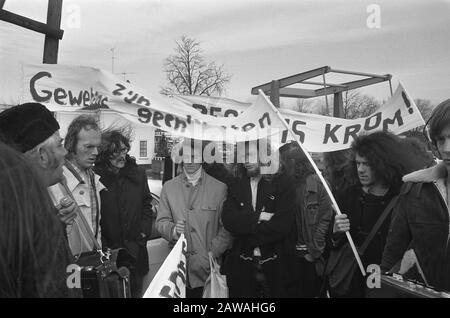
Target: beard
(252, 171)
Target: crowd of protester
(275, 234)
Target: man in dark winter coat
(313, 215)
(32, 129)
(126, 204)
(421, 221)
(260, 215)
(380, 161)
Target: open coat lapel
(264, 195)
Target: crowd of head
(276, 234)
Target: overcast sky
(256, 40)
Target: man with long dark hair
(126, 209)
(259, 213)
(380, 160)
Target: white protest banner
(322, 133)
(170, 280)
(69, 88)
(213, 106)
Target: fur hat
(26, 126)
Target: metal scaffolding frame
(280, 87)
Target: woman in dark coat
(126, 211)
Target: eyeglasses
(122, 151)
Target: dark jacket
(126, 211)
(363, 211)
(313, 217)
(421, 223)
(275, 238)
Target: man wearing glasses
(126, 205)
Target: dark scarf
(108, 177)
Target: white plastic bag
(216, 283)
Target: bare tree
(304, 105)
(355, 105)
(425, 107)
(188, 72)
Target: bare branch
(188, 73)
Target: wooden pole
(174, 169)
(275, 93)
(30, 24)
(390, 87)
(51, 44)
(338, 105)
(325, 91)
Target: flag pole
(319, 174)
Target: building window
(143, 148)
(162, 143)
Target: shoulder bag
(341, 266)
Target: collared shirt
(87, 176)
(193, 178)
(254, 187)
(79, 186)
